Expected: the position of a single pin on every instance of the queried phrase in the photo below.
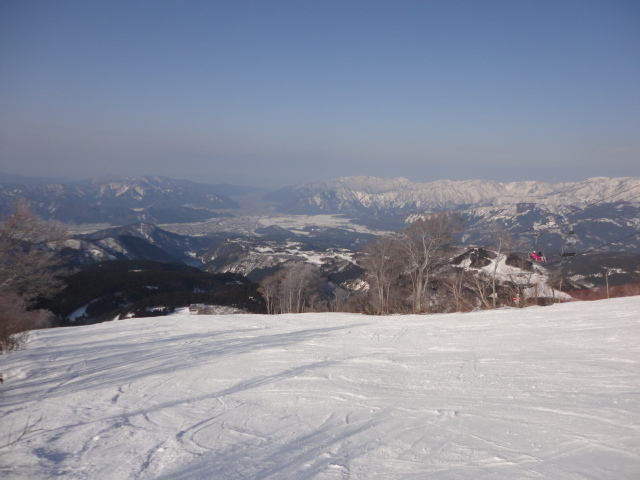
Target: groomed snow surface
(537, 393)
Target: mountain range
(355, 195)
(122, 200)
(601, 214)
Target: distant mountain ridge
(121, 200)
(138, 241)
(604, 211)
(353, 195)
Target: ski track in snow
(533, 393)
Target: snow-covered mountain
(603, 212)
(370, 194)
(140, 241)
(121, 200)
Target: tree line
(414, 271)
(398, 271)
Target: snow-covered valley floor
(537, 393)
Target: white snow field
(536, 393)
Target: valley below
(587, 230)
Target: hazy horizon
(27, 179)
(274, 93)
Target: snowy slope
(547, 393)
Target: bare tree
(383, 264)
(28, 262)
(502, 241)
(481, 285)
(292, 289)
(555, 282)
(424, 243)
(339, 298)
(13, 334)
(269, 288)
(358, 302)
(455, 285)
(28, 247)
(302, 284)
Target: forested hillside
(125, 288)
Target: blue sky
(279, 92)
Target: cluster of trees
(242, 296)
(294, 289)
(301, 287)
(28, 264)
(144, 288)
(413, 272)
(398, 270)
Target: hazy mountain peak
(371, 184)
(119, 200)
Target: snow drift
(534, 393)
